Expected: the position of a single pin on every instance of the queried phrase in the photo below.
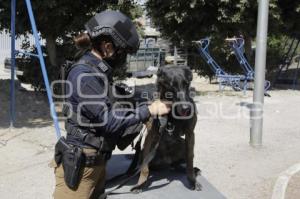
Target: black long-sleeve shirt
(90, 98)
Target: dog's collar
(170, 128)
(166, 125)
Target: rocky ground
(222, 148)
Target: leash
(134, 162)
(146, 161)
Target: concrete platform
(162, 184)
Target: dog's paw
(197, 186)
(136, 190)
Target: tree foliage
(188, 20)
(58, 21)
(290, 14)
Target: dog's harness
(163, 125)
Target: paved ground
(293, 190)
(222, 150)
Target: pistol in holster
(72, 159)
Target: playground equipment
(237, 45)
(224, 79)
(39, 55)
(286, 74)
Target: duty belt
(85, 137)
(88, 140)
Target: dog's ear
(159, 72)
(188, 74)
(159, 80)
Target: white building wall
(5, 45)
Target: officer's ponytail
(83, 41)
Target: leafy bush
(32, 73)
(277, 45)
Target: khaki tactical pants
(91, 185)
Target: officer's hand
(159, 108)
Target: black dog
(173, 84)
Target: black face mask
(118, 59)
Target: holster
(60, 147)
(72, 160)
(73, 164)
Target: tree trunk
(248, 47)
(51, 49)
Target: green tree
(188, 20)
(290, 14)
(58, 21)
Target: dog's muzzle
(183, 110)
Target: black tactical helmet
(118, 26)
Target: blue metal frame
(237, 45)
(204, 52)
(42, 64)
(223, 78)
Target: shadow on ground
(32, 109)
(164, 183)
(120, 163)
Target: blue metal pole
(43, 67)
(13, 64)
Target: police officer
(93, 126)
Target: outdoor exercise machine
(237, 46)
(39, 55)
(223, 78)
